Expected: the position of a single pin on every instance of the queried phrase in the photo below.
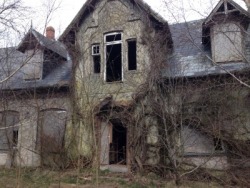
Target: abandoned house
(33, 98)
(124, 87)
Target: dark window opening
(9, 130)
(114, 37)
(51, 62)
(114, 62)
(218, 144)
(118, 145)
(97, 63)
(132, 65)
(15, 138)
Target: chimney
(50, 32)
(248, 5)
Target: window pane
(112, 38)
(114, 63)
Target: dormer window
(33, 66)
(227, 43)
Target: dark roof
(12, 66)
(52, 45)
(88, 5)
(191, 58)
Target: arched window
(51, 130)
(8, 129)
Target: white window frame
(105, 52)
(93, 53)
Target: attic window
(113, 56)
(132, 64)
(33, 67)
(96, 58)
(227, 43)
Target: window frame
(95, 55)
(105, 54)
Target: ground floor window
(8, 130)
(51, 130)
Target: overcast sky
(171, 10)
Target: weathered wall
(216, 107)
(109, 16)
(26, 152)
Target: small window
(96, 49)
(96, 58)
(132, 64)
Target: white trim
(105, 53)
(93, 53)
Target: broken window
(51, 129)
(50, 62)
(9, 130)
(96, 58)
(113, 51)
(132, 64)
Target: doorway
(118, 145)
(113, 143)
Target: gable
(224, 11)
(140, 10)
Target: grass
(39, 178)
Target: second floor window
(96, 58)
(113, 56)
